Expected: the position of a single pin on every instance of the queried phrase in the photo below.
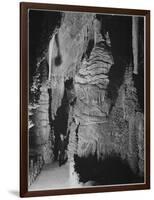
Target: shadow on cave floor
(112, 170)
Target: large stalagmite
(91, 109)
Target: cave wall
(40, 131)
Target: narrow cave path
(54, 177)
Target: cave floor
(54, 177)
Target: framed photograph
(84, 99)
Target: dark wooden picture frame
(24, 78)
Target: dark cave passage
(41, 26)
(120, 31)
(111, 170)
(60, 124)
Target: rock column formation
(91, 109)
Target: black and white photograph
(86, 99)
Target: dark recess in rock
(117, 70)
(41, 26)
(89, 48)
(61, 120)
(113, 170)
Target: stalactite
(97, 29)
(50, 55)
(135, 43)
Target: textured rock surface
(91, 109)
(73, 37)
(127, 125)
(40, 132)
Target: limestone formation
(73, 97)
